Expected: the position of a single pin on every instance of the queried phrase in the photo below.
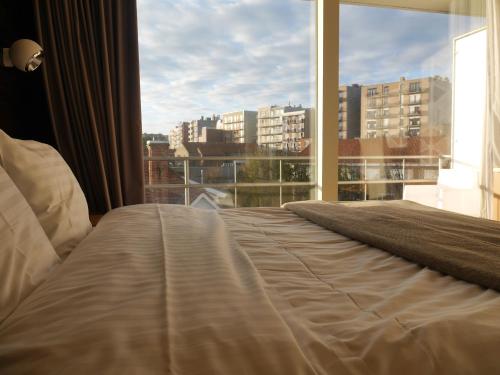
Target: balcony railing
(236, 178)
(376, 170)
(361, 171)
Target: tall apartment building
(178, 135)
(270, 124)
(270, 127)
(196, 126)
(243, 124)
(416, 107)
(296, 130)
(349, 111)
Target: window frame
(327, 81)
(327, 99)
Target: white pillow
(26, 254)
(50, 188)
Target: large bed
(175, 290)
(310, 288)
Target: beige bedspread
(163, 289)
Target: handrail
(286, 158)
(363, 162)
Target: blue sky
(203, 57)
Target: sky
(204, 57)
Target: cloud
(381, 45)
(200, 57)
(203, 57)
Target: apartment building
(196, 126)
(409, 107)
(349, 111)
(296, 130)
(210, 135)
(178, 135)
(270, 127)
(243, 125)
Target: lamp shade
(24, 54)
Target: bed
(165, 289)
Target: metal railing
(235, 184)
(384, 164)
(362, 163)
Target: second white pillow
(51, 189)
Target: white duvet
(159, 289)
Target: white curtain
(491, 153)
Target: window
(425, 85)
(414, 99)
(415, 110)
(415, 121)
(371, 114)
(230, 75)
(414, 86)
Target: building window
(414, 86)
(415, 122)
(372, 91)
(386, 90)
(415, 99)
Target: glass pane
(411, 104)
(164, 195)
(259, 197)
(234, 80)
(210, 198)
(297, 193)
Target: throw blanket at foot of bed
(464, 247)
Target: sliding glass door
(412, 99)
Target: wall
(23, 103)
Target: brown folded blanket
(464, 247)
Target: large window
(228, 100)
(431, 68)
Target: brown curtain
(91, 73)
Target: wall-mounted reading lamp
(24, 54)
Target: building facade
(270, 127)
(242, 124)
(276, 127)
(210, 135)
(349, 111)
(296, 130)
(407, 108)
(196, 126)
(178, 135)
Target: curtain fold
(491, 152)
(91, 74)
